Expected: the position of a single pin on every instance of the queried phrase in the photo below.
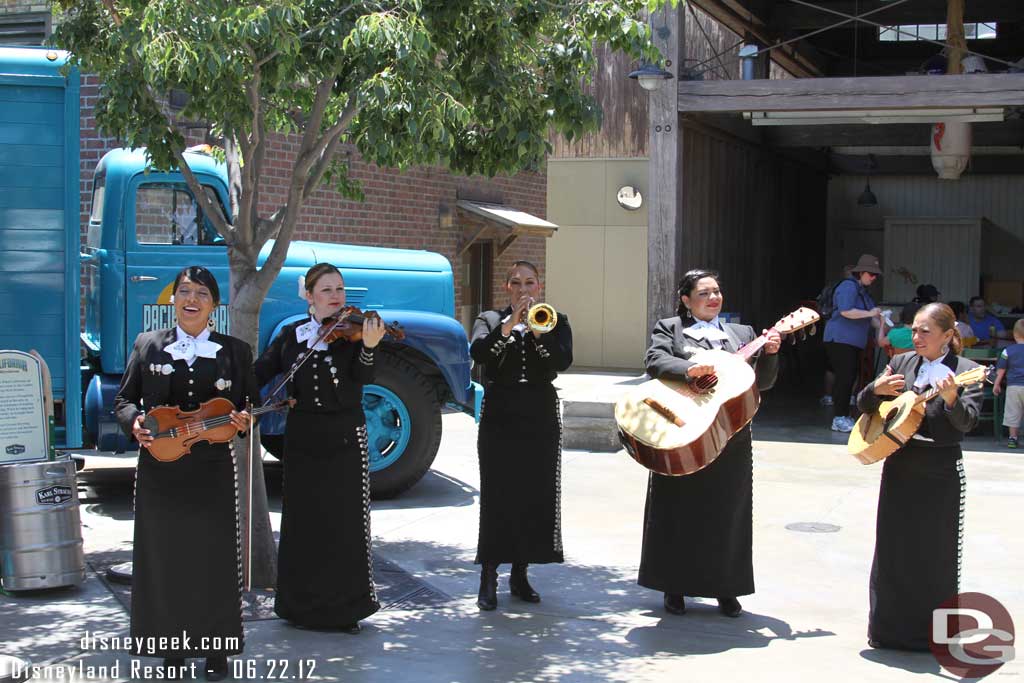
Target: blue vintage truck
(81, 302)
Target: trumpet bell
(542, 318)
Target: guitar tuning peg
(791, 338)
(812, 330)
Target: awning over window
(501, 222)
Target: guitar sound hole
(891, 416)
(706, 382)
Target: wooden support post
(665, 168)
(955, 36)
(505, 244)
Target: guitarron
(674, 427)
(878, 435)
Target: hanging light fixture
(867, 197)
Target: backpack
(826, 301)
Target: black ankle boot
(488, 598)
(174, 668)
(216, 668)
(520, 586)
(675, 604)
(730, 607)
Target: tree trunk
(244, 312)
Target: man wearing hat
(847, 332)
(926, 294)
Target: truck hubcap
(388, 426)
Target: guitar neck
(933, 392)
(750, 348)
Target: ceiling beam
(740, 20)
(821, 94)
(1004, 134)
(787, 16)
(920, 164)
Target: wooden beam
(1003, 134)
(787, 16)
(955, 36)
(665, 182)
(740, 21)
(921, 164)
(824, 94)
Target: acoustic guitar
(674, 427)
(878, 435)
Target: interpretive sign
(24, 425)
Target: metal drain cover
(813, 527)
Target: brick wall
(401, 209)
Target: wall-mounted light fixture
(650, 76)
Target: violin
(175, 431)
(347, 324)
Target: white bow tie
(189, 348)
(308, 333)
(705, 330)
(931, 372)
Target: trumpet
(541, 318)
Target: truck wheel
(403, 421)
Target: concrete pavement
(807, 620)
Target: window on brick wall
(25, 28)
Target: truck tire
(403, 420)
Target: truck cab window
(168, 214)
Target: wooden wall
(756, 216)
(999, 198)
(624, 132)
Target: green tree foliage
(474, 85)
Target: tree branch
(211, 209)
(328, 145)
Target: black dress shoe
(351, 629)
(174, 668)
(675, 604)
(487, 600)
(875, 644)
(216, 668)
(520, 586)
(730, 607)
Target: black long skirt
(520, 449)
(324, 571)
(698, 527)
(186, 562)
(918, 543)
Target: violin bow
(304, 356)
(247, 582)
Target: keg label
(15, 449)
(53, 495)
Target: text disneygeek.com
(150, 665)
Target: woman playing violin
(918, 532)
(698, 528)
(325, 578)
(186, 566)
(520, 440)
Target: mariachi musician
(520, 439)
(325, 576)
(186, 573)
(919, 528)
(698, 527)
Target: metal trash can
(40, 526)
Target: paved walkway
(807, 620)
